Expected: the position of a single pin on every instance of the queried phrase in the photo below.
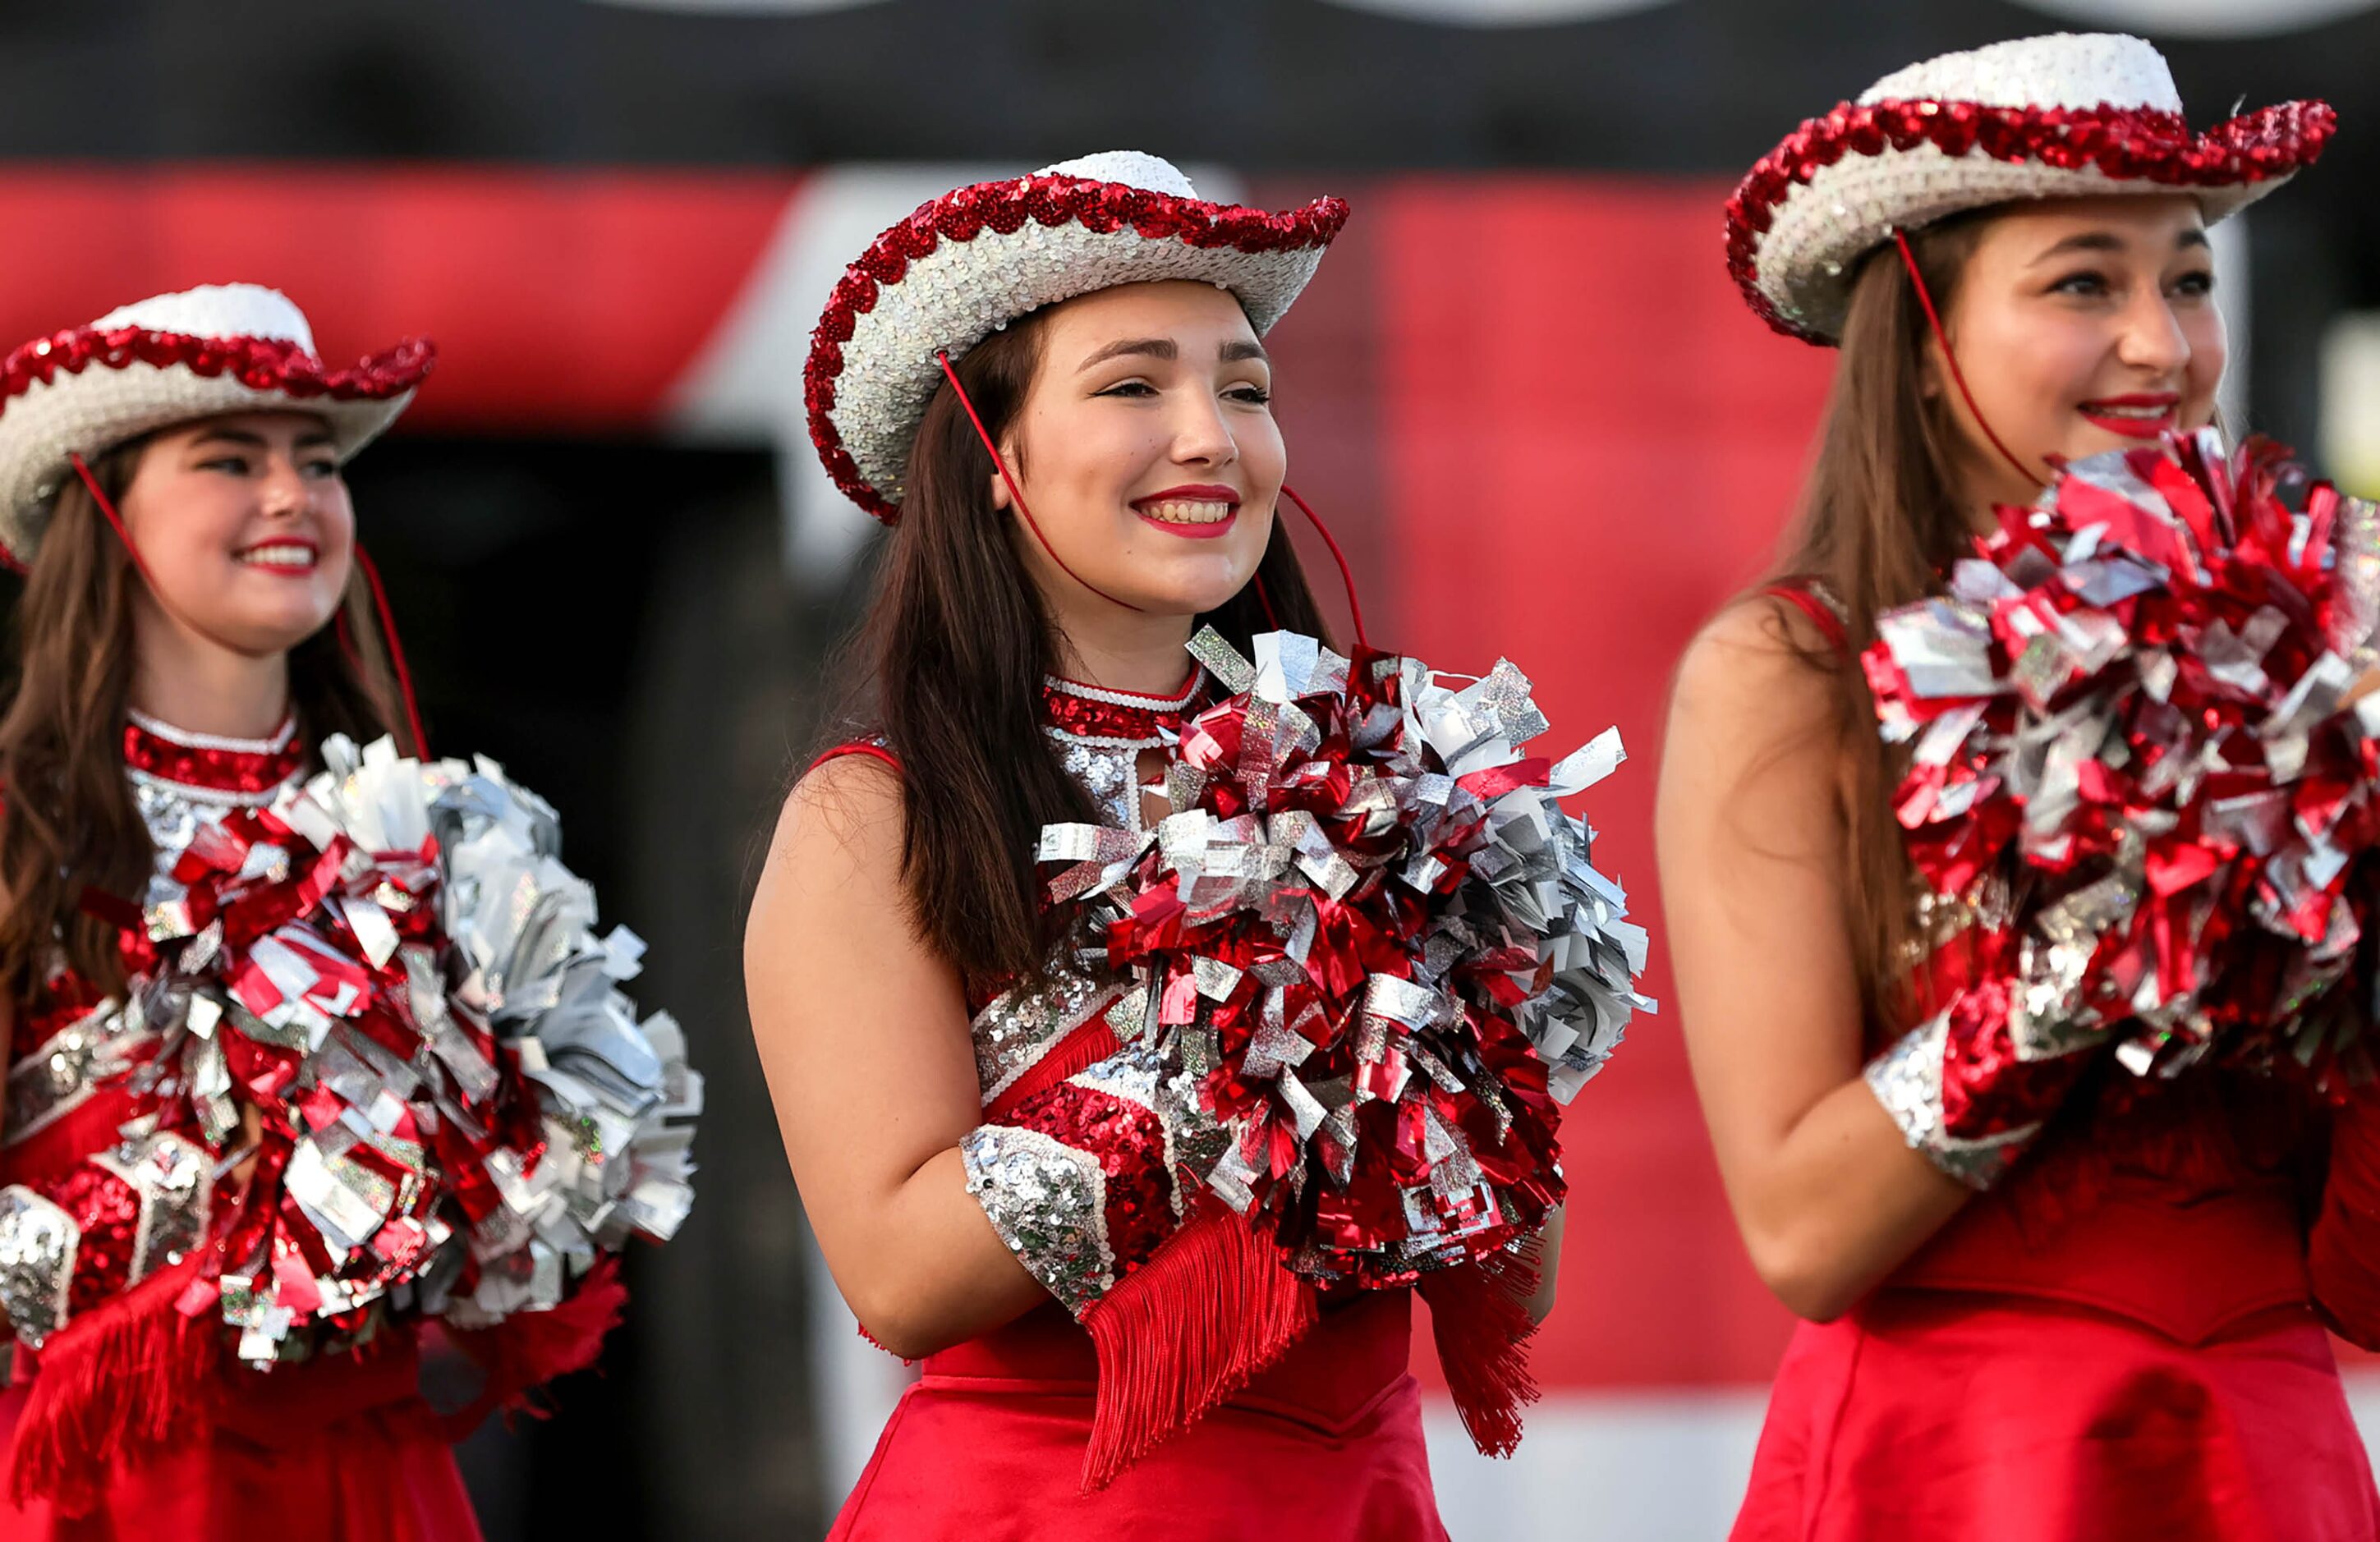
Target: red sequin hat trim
(259, 364)
(2122, 143)
(1003, 207)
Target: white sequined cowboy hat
(977, 258)
(171, 359)
(2067, 115)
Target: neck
(195, 684)
(1125, 651)
(1985, 485)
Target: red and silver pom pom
(2137, 747)
(1375, 947)
(386, 991)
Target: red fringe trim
(529, 1349)
(1211, 1309)
(1479, 1317)
(113, 1386)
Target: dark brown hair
(950, 661)
(70, 820)
(1880, 521)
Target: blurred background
(1523, 389)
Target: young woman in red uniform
(2109, 1322)
(982, 1155)
(195, 618)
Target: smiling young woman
(1054, 387)
(2110, 1321)
(195, 620)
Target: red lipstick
(1192, 493)
(284, 569)
(2152, 413)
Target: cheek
(1263, 456)
(337, 530)
(189, 545)
(2039, 363)
(1080, 467)
(2210, 354)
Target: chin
(1206, 586)
(261, 636)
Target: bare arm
(1752, 853)
(863, 1035)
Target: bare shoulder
(1759, 663)
(839, 838)
(851, 801)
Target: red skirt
(1959, 1417)
(340, 1451)
(988, 1447)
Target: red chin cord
(1942, 340)
(363, 560)
(1017, 495)
(1346, 574)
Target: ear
(1930, 373)
(1002, 498)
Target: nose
(287, 490)
(1201, 436)
(2153, 340)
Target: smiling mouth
(1186, 511)
(2143, 417)
(282, 556)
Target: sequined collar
(161, 754)
(1123, 720)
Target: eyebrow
(1167, 349)
(1149, 347)
(2107, 240)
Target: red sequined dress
(2124, 1339)
(989, 1444)
(95, 1214)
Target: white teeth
(278, 556)
(1183, 511)
(2146, 414)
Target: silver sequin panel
(1141, 1074)
(36, 1249)
(171, 1178)
(1109, 770)
(55, 1079)
(1048, 1201)
(1019, 1027)
(1907, 1079)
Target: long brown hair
(70, 821)
(950, 661)
(1879, 520)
